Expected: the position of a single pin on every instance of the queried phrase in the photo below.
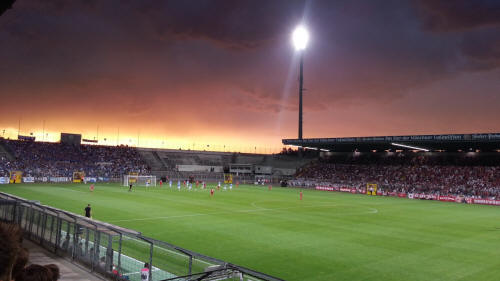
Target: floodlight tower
(300, 37)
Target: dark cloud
(482, 49)
(475, 24)
(243, 24)
(459, 15)
(172, 62)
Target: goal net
(139, 180)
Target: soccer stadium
(117, 205)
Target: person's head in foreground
(10, 237)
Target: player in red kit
(161, 183)
(237, 183)
(301, 195)
(270, 187)
(91, 187)
(212, 192)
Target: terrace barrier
(113, 251)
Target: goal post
(137, 180)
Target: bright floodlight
(300, 37)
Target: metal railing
(114, 251)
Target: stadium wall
(200, 168)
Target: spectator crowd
(37, 159)
(413, 174)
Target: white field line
(372, 211)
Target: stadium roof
(453, 142)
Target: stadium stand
(42, 160)
(182, 164)
(39, 159)
(464, 174)
(455, 165)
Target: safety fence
(114, 251)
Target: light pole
(300, 38)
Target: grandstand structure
(459, 166)
(212, 165)
(482, 142)
(45, 162)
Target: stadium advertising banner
(425, 196)
(447, 198)
(485, 201)
(78, 176)
(327, 188)
(4, 180)
(42, 179)
(16, 176)
(346, 189)
(60, 179)
(341, 189)
(91, 179)
(28, 179)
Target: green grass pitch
(326, 236)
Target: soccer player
(179, 185)
(225, 187)
(230, 186)
(190, 186)
(212, 192)
(301, 195)
(88, 211)
(204, 185)
(147, 183)
(170, 183)
(130, 187)
(91, 187)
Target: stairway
(6, 153)
(162, 162)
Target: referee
(88, 211)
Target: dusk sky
(184, 73)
